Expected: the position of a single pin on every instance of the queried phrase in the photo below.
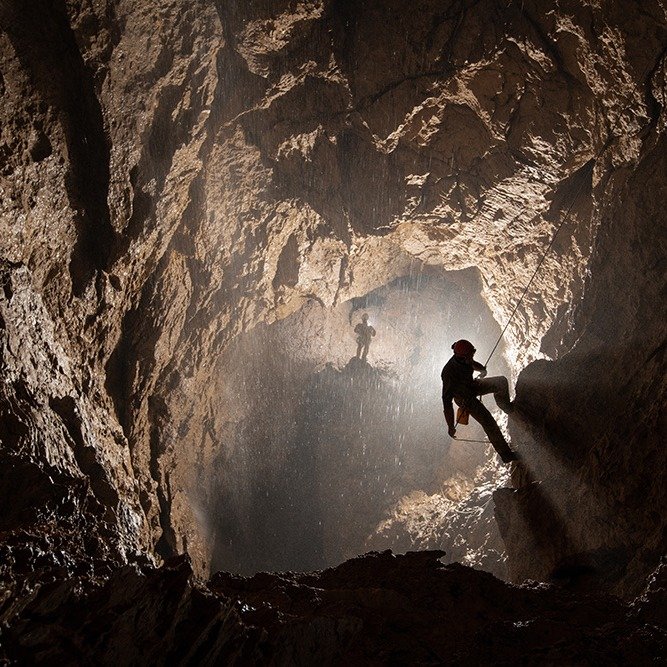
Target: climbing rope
(486, 442)
(527, 287)
(537, 268)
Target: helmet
(463, 348)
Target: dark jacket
(457, 379)
(364, 332)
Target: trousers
(499, 387)
(362, 347)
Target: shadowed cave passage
(317, 448)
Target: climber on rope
(364, 333)
(458, 385)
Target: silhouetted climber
(458, 385)
(364, 333)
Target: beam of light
(304, 430)
(545, 509)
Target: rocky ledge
(379, 608)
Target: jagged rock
(380, 609)
(174, 175)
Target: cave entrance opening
(322, 456)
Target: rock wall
(174, 175)
(102, 119)
(594, 420)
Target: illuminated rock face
(173, 176)
(322, 455)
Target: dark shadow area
(588, 518)
(534, 519)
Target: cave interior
(198, 204)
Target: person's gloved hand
(482, 374)
(452, 431)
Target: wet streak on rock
(46, 45)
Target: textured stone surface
(593, 422)
(377, 609)
(88, 147)
(174, 175)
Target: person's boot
(505, 405)
(510, 456)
